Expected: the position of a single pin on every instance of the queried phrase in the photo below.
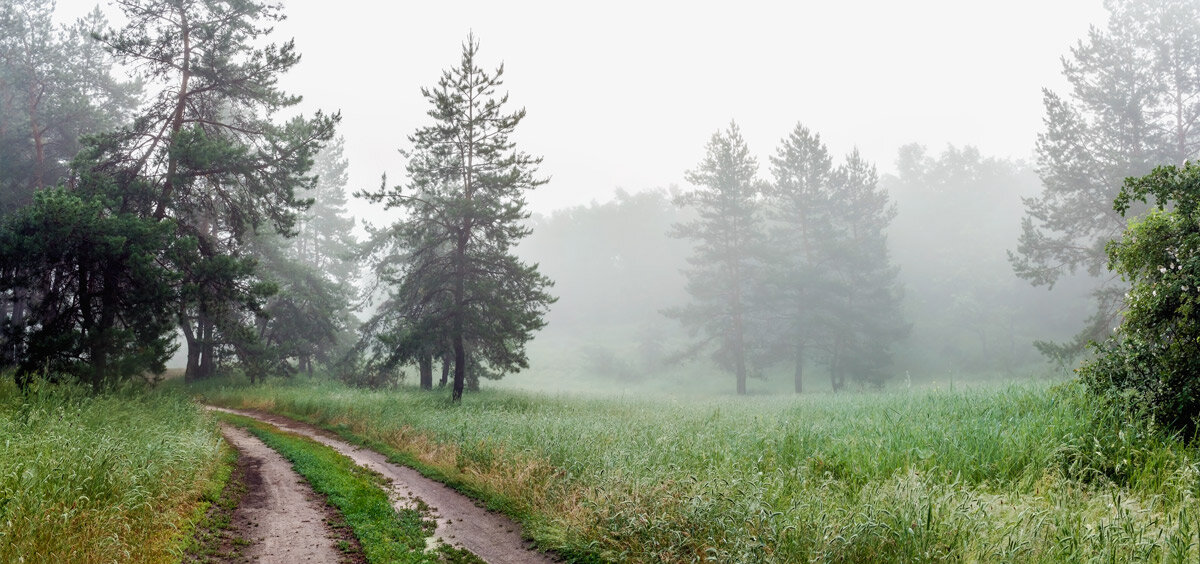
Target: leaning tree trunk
(446, 360)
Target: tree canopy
(1134, 103)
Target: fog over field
(621, 99)
(624, 94)
(863, 281)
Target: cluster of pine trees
(183, 204)
(792, 270)
(134, 211)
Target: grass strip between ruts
(386, 535)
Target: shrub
(1152, 362)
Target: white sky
(626, 93)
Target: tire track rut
(461, 522)
(279, 514)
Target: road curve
(460, 521)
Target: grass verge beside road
(1024, 472)
(121, 477)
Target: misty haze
(536, 282)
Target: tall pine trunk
(460, 307)
(460, 366)
(39, 141)
(799, 368)
(446, 360)
(425, 363)
(207, 346)
(739, 338)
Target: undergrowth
(1019, 473)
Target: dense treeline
(617, 267)
(179, 209)
(138, 210)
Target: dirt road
(460, 521)
(279, 514)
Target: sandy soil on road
(279, 514)
(460, 521)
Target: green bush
(1152, 363)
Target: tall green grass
(113, 478)
(1019, 473)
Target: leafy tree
(866, 303)
(726, 260)
(1153, 360)
(1135, 102)
(614, 267)
(451, 262)
(612, 262)
(954, 224)
(208, 143)
(800, 210)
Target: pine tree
(310, 318)
(207, 143)
(726, 262)
(455, 277)
(1134, 103)
(325, 237)
(867, 317)
(799, 207)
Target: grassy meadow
(117, 478)
(1028, 472)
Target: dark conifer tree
(455, 281)
(867, 318)
(801, 234)
(726, 263)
